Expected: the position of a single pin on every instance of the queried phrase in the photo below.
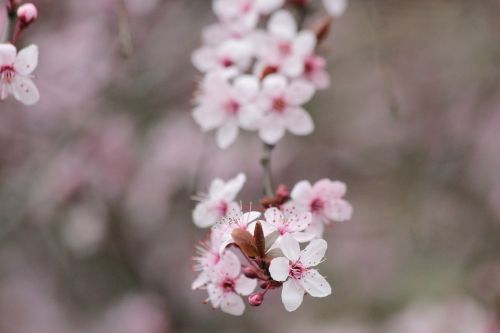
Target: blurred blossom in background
(96, 179)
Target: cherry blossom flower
(15, 73)
(235, 220)
(283, 49)
(207, 257)
(227, 106)
(295, 271)
(228, 285)
(282, 102)
(219, 202)
(233, 53)
(243, 15)
(289, 222)
(315, 71)
(335, 8)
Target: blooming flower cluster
(259, 79)
(16, 68)
(268, 241)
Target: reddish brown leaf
(244, 240)
(259, 240)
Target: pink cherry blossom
(281, 101)
(235, 220)
(282, 48)
(315, 71)
(324, 200)
(228, 285)
(335, 8)
(27, 13)
(207, 257)
(289, 222)
(219, 201)
(15, 73)
(232, 53)
(295, 271)
(227, 106)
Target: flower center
(317, 205)
(296, 270)
(226, 62)
(228, 285)
(222, 208)
(247, 6)
(285, 48)
(279, 105)
(309, 65)
(232, 107)
(7, 73)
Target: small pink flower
(282, 47)
(228, 285)
(324, 200)
(315, 71)
(231, 54)
(219, 202)
(281, 101)
(227, 106)
(207, 257)
(15, 73)
(288, 222)
(295, 271)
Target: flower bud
(255, 299)
(27, 14)
(250, 272)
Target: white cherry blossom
(281, 101)
(219, 201)
(289, 222)
(228, 106)
(227, 285)
(207, 257)
(232, 53)
(295, 271)
(16, 73)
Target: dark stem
(265, 161)
(11, 24)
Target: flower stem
(265, 161)
(11, 24)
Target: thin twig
(265, 161)
(11, 23)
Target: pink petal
(25, 91)
(226, 135)
(274, 85)
(292, 295)
(279, 269)
(271, 130)
(315, 284)
(298, 121)
(274, 216)
(299, 222)
(300, 92)
(7, 54)
(313, 253)
(282, 25)
(290, 247)
(229, 265)
(26, 60)
(245, 286)
(302, 192)
(339, 211)
(233, 186)
(233, 304)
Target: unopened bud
(250, 272)
(283, 192)
(27, 14)
(255, 299)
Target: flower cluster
(16, 68)
(259, 79)
(268, 241)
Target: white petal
(265, 7)
(339, 210)
(204, 216)
(207, 117)
(335, 8)
(293, 67)
(204, 59)
(7, 54)
(24, 90)
(302, 192)
(216, 188)
(279, 269)
(229, 265)
(300, 92)
(290, 247)
(292, 295)
(299, 222)
(250, 116)
(305, 43)
(226, 134)
(315, 284)
(200, 281)
(214, 294)
(339, 189)
(313, 253)
(282, 25)
(250, 216)
(246, 88)
(26, 60)
(271, 130)
(245, 286)
(274, 85)
(233, 187)
(316, 228)
(233, 304)
(274, 217)
(303, 237)
(298, 121)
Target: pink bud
(250, 272)
(27, 14)
(255, 299)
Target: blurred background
(96, 180)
